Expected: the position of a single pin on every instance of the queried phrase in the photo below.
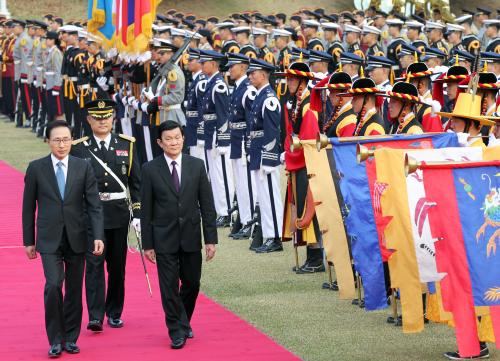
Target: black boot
(236, 225)
(270, 245)
(257, 239)
(314, 262)
(223, 221)
(244, 233)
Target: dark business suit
(61, 238)
(171, 225)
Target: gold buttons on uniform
(105, 173)
(105, 184)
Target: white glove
(102, 81)
(268, 170)
(223, 150)
(463, 139)
(200, 143)
(144, 108)
(130, 100)
(124, 101)
(149, 94)
(29, 63)
(136, 223)
(493, 141)
(282, 158)
(135, 104)
(145, 57)
(55, 93)
(111, 81)
(112, 53)
(35, 83)
(436, 107)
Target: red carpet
(219, 334)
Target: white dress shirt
(64, 167)
(178, 164)
(107, 140)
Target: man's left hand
(98, 247)
(209, 251)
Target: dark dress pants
(179, 302)
(63, 314)
(99, 301)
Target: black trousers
(100, 302)
(179, 302)
(63, 314)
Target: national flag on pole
(466, 220)
(357, 184)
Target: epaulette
(126, 137)
(78, 141)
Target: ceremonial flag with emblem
(466, 224)
(101, 15)
(404, 204)
(358, 188)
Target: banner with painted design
(360, 194)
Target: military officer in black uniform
(242, 35)
(394, 46)
(116, 167)
(334, 47)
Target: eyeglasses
(61, 140)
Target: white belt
(17, 62)
(171, 107)
(192, 113)
(73, 78)
(209, 117)
(49, 73)
(85, 86)
(39, 68)
(105, 196)
(238, 125)
(256, 133)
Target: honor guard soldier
(239, 109)
(217, 134)
(264, 156)
(420, 76)
(193, 118)
(380, 70)
(115, 164)
(229, 45)
(371, 36)
(39, 53)
(364, 94)
(53, 77)
(414, 34)
(394, 46)
(464, 58)
(333, 47)
(407, 56)
(435, 60)
(69, 72)
(9, 85)
(295, 23)
(493, 35)
(310, 28)
(352, 35)
(404, 97)
(260, 41)
(301, 122)
(492, 61)
(469, 40)
(242, 35)
(23, 62)
(434, 32)
(454, 37)
(342, 121)
(351, 64)
(166, 92)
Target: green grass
(292, 309)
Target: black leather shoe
(484, 354)
(270, 245)
(223, 221)
(311, 267)
(244, 233)
(55, 350)
(95, 326)
(71, 347)
(115, 322)
(190, 334)
(178, 343)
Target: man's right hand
(30, 252)
(150, 255)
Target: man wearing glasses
(61, 192)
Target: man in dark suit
(176, 200)
(114, 160)
(61, 191)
